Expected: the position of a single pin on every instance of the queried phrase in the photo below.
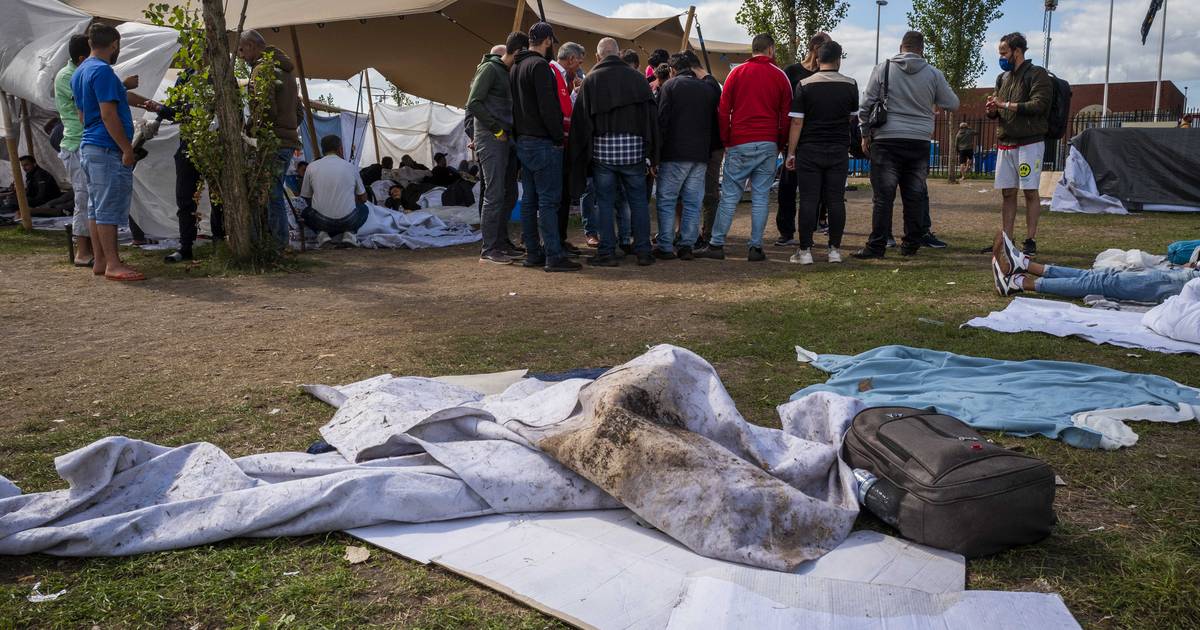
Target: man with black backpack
(1022, 104)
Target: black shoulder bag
(877, 115)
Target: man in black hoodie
(614, 133)
(537, 125)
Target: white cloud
(716, 18)
(1079, 40)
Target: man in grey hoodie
(899, 149)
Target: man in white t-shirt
(334, 193)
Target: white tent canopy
(419, 131)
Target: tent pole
(27, 125)
(703, 48)
(371, 112)
(687, 30)
(519, 17)
(11, 139)
(308, 115)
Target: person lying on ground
(334, 193)
(394, 199)
(40, 187)
(1014, 272)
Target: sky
(1077, 53)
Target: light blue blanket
(1022, 398)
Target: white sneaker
(835, 256)
(802, 257)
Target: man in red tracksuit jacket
(753, 120)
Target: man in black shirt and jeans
(785, 215)
(821, 110)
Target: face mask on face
(1005, 64)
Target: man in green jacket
(490, 103)
(1022, 105)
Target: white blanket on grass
(389, 229)
(418, 450)
(1128, 260)
(1063, 319)
(1179, 316)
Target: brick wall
(1122, 97)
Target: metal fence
(943, 155)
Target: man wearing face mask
(1021, 104)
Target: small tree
(401, 98)
(791, 22)
(239, 169)
(954, 35)
(326, 99)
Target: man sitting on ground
(40, 187)
(442, 175)
(334, 193)
(1014, 272)
(294, 180)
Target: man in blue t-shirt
(106, 150)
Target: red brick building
(1137, 96)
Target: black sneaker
(603, 261)
(715, 252)
(627, 248)
(178, 256)
(512, 253)
(756, 255)
(562, 264)
(495, 258)
(930, 240)
(906, 250)
(663, 254)
(785, 241)
(645, 260)
(1030, 247)
(532, 263)
(570, 249)
(867, 254)
(891, 243)
(684, 253)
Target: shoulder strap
(887, 72)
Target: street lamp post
(879, 4)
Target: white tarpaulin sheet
(33, 46)
(1099, 326)
(420, 229)
(1077, 190)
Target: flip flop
(129, 276)
(89, 263)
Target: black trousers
(821, 171)
(785, 216)
(902, 164)
(187, 181)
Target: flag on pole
(1155, 5)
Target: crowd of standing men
(605, 138)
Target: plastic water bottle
(880, 496)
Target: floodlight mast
(1047, 19)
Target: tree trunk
(245, 214)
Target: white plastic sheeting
(33, 46)
(1063, 319)
(1179, 317)
(420, 131)
(1077, 191)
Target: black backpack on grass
(943, 485)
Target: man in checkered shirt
(614, 136)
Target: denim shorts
(110, 185)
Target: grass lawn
(201, 354)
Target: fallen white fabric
(778, 601)
(1128, 260)
(1116, 434)
(418, 450)
(1179, 316)
(1077, 191)
(419, 229)
(1119, 328)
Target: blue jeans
(678, 180)
(1151, 286)
(109, 184)
(541, 178)
(277, 208)
(317, 222)
(754, 161)
(613, 182)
